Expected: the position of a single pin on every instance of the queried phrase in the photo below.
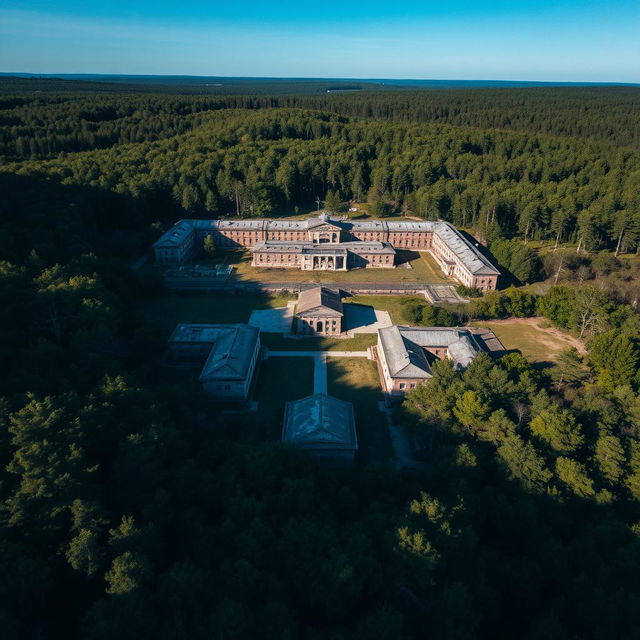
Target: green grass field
(356, 380)
(536, 342)
(360, 342)
(424, 269)
(165, 312)
(280, 380)
(392, 304)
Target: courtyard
(414, 267)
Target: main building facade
(325, 243)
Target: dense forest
(130, 507)
(250, 162)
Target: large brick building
(406, 354)
(325, 243)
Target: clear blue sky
(553, 40)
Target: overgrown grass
(356, 380)
(536, 343)
(361, 342)
(395, 305)
(165, 312)
(280, 380)
(424, 269)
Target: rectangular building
(325, 243)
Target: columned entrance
(312, 261)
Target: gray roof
(320, 422)
(464, 250)
(175, 236)
(404, 358)
(319, 300)
(281, 246)
(291, 246)
(233, 346)
(404, 348)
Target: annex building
(336, 244)
(227, 353)
(406, 354)
(321, 424)
(319, 312)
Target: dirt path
(538, 323)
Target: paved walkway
(364, 319)
(442, 293)
(272, 320)
(319, 362)
(400, 442)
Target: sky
(543, 40)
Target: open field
(280, 380)
(392, 304)
(360, 342)
(424, 269)
(356, 380)
(531, 338)
(165, 312)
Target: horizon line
(61, 75)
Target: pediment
(327, 227)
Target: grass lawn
(424, 269)
(165, 312)
(392, 304)
(360, 342)
(280, 380)
(356, 380)
(531, 338)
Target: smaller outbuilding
(319, 312)
(321, 424)
(227, 353)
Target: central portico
(323, 259)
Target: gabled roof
(231, 353)
(319, 300)
(322, 220)
(470, 257)
(404, 348)
(404, 358)
(320, 422)
(175, 236)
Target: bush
(422, 314)
(468, 292)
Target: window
(412, 385)
(403, 385)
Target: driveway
(360, 318)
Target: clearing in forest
(533, 337)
